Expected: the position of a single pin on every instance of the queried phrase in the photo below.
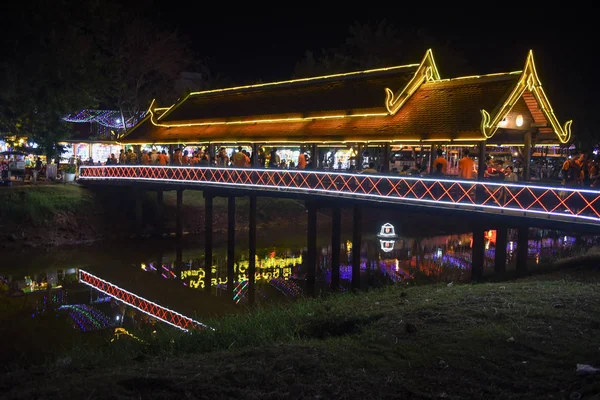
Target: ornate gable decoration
(529, 81)
(427, 72)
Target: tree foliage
(145, 62)
(380, 44)
(65, 56)
(47, 71)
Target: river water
(172, 273)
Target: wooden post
(527, 157)
(230, 243)
(522, 249)
(179, 214)
(481, 167)
(314, 155)
(385, 158)
(478, 253)
(336, 229)
(252, 250)
(208, 242)
(311, 244)
(358, 158)
(356, 246)
(211, 154)
(432, 157)
(254, 155)
(171, 152)
(500, 257)
(137, 149)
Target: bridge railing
(521, 199)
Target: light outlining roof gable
(426, 72)
(529, 80)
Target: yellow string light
(426, 72)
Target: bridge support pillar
(208, 242)
(356, 246)
(311, 244)
(336, 230)
(522, 248)
(478, 253)
(230, 243)
(500, 257)
(252, 250)
(179, 214)
(139, 211)
(160, 206)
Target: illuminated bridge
(498, 205)
(556, 204)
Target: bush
(69, 169)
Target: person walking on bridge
(240, 159)
(302, 160)
(442, 161)
(465, 166)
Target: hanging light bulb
(519, 120)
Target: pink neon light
(506, 198)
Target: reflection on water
(178, 278)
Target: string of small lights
(108, 118)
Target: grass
(519, 339)
(35, 204)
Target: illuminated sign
(387, 231)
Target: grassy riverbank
(47, 215)
(519, 339)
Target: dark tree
(380, 45)
(48, 69)
(64, 56)
(144, 63)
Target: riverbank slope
(49, 215)
(518, 339)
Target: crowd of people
(577, 171)
(201, 158)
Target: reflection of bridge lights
(387, 245)
(145, 306)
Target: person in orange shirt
(302, 160)
(185, 160)
(240, 159)
(466, 166)
(440, 160)
(145, 158)
(162, 158)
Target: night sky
(251, 46)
